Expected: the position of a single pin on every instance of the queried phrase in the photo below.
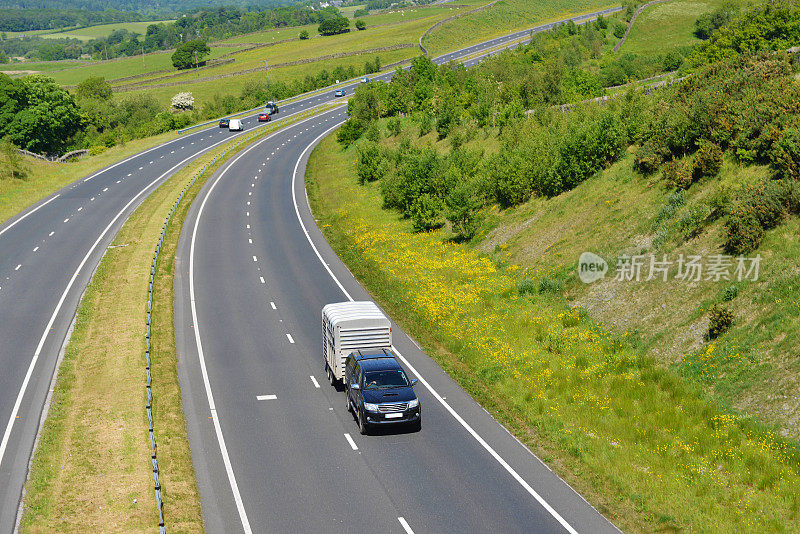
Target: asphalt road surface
(49, 251)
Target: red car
(264, 117)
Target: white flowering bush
(183, 101)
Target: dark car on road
(271, 108)
(339, 92)
(223, 123)
(379, 392)
(264, 117)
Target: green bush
(371, 164)
(426, 213)
(361, 25)
(730, 293)
(678, 173)
(304, 34)
(720, 321)
(619, 29)
(707, 160)
(672, 61)
(526, 286)
(547, 285)
(350, 132)
(786, 155)
(647, 160)
(691, 222)
(743, 233)
(373, 133)
(463, 204)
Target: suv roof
(361, 355)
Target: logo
(591, 267)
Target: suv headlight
(370, 407)
(413, 404)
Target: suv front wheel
(362, 422)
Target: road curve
(273, 446)
(47, 255)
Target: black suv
(379, 392)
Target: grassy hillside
(102, 30)
(503, 17)
(667, 25)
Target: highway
(49, 251)
(273, 446)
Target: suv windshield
(394, 378)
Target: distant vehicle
(235, 125)
(271, 108)
(340, 92)
(264, 117)
(223, 123)
(379, 392)
(364, 80)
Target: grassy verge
(44, 178)
(665, 26)
(642, 444)
(91, 470)
(505, 17)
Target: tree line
(204, 24)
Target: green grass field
(102, 30)
(647, 446)
(664, 26)
(205, 91)
(505, 17)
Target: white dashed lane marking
(266, 397)
(50, 234)
(35, 249)
(17, 267)
(351, 442)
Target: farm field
(102, 30)
(667, 25)
(205, 91)
(129, 66)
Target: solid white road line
(289, 337)
(405, 525)
(34, 210)
(314, 381)
(351, 442)
(266, 397)
(522, 482)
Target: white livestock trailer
(350, 326)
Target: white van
(235, 125)
(350, 326)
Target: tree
(94, 87)
(49, 116)
(361, 25)
(304, 34)
(3, 57)
(190, 53)
(334, 26)
(12, 165)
